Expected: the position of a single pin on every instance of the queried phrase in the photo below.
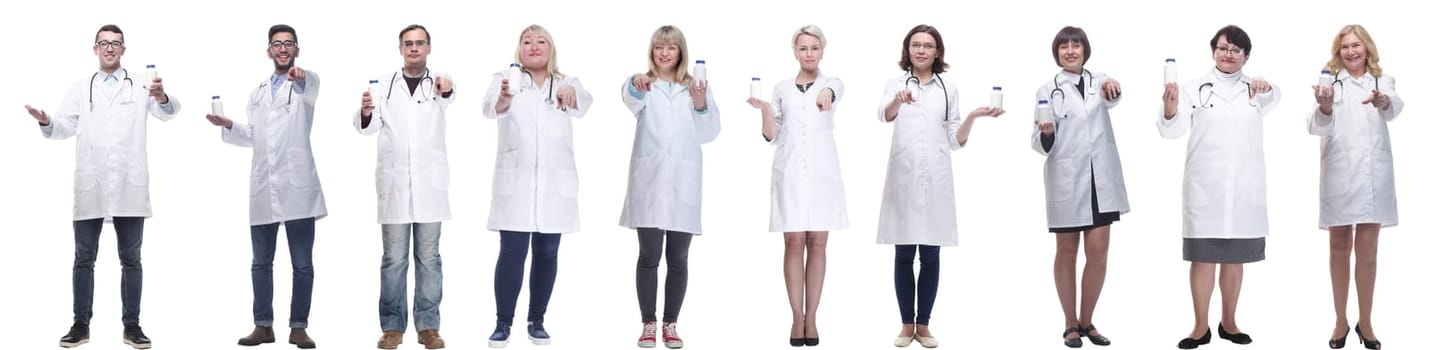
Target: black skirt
(1099, 218)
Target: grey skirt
(1223, 250)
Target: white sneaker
(647, 336)
(672, 340)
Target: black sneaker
(78, 334)
(134, 336)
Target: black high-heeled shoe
(811, 341)
(1097, 340)
(1074, 342)
(1337, 343)
(1368, 344)
(1238, 338)
(1192, 343)
(796, 342)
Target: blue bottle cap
(373, 81)
(1041, 102)
(215, 97)
(699, 61)
(515, 65)
(149, 66)
(1171, 60)
(1324, 71)
(754, 79)
(997, 88)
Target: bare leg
(1203, 281)
(814, 280)
(1064, 274)
(1341, 243)
(1094, 274)
(794, 279)
(1232, 275)
(1366, 266)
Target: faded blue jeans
(396, 243)
(300, 250)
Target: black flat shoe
(1368, 344)
(1192, 343)
(1337, 343)
(1238, 338)
(796, 341)
(1074, 342)
(811, 341)
(1097, 340)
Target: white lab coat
(412, 174)
(111, 169)
(666, 162)
(1083, 146)
(1223, 191)
(806, 189)
(1356, 164)
(284, 182)
(918, 202)
(535, 184)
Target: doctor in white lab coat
(533, 191)
(1223, 200)
(408, 113)
(806, 190)
(675, 115)
(283, 185)
(1085, 189)
(1357, 196)
(918, 215)
(108, 114)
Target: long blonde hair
(670, 35)
(540, 31)
(1371, 51)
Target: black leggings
(647, 271)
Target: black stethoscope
(1057, 89)
(130, 97)
(1341, 83)
(550, 86)
(426, 78)
(937, 79)
(1206, 100)
(267, 84)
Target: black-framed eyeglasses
(282, 43)
(105, 44)
(1236, 51)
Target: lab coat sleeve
(165, 111)
(1320, 124)
(776, 107)
(1110, 103)
(583, 99)
(635, 100)
(65, 121)
(241, 135)
(1180, 123)
(308, 88)
(493, 94)
(953, 120)
(1396, 104)
(707, 125)
(837, 86)
(1268, 101)
(889, 91)
(1037, 144)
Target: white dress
(1356, 164)
(806, 188)
(918, 205)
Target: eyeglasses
(282, 43)
(411, 43)
(106, 44)
(925, 46)
(1231, 51)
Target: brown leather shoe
(260, 335)
(299, 337)
(390, 339)
(431, 339)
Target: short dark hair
(938, 65)
(1069, 34)
(415, 27)
(109, 28)
(1235, 36)
(282, 28)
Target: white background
(996, 287)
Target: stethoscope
(130, 97)
(1341, 82)
(266, 84)
(1206, 100)
(550, 87)
(1057, 89)
(426, 79)
(936, 78)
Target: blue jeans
(130, 231)
(510, 265)
(393, 303)
(926, 286)
(300, 250)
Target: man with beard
(284, 187)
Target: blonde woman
(675, 115)
(535, 169)
(806, 196)
(1356, 171)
